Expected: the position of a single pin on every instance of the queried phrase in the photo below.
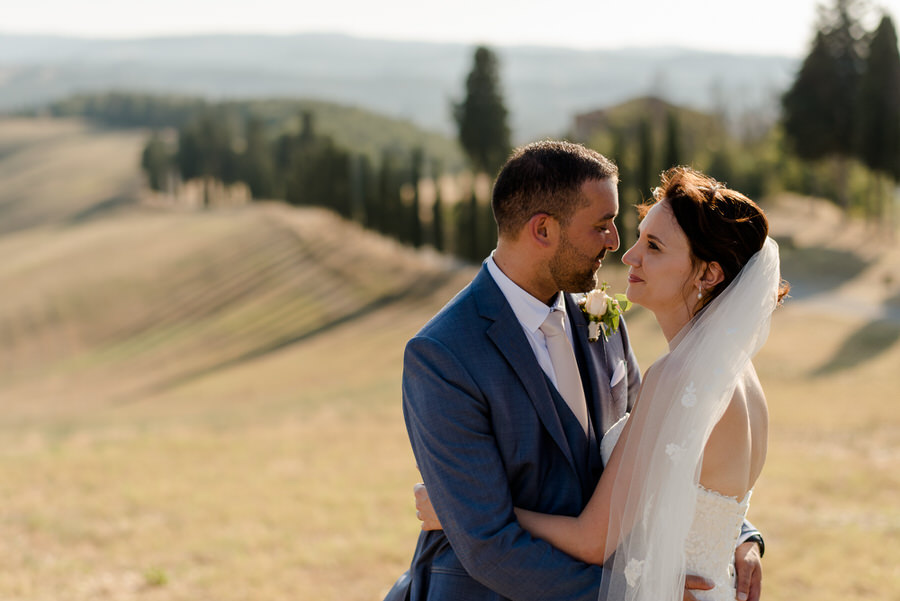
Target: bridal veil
(682, 399)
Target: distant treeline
(307, 168)
(363, 131)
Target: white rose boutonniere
(603, 311)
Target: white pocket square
(618, 374)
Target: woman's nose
(630, 257)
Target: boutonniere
(603, 311)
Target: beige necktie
(562, 356)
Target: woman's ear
(712, 275)
(543, 229)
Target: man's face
(589, 235)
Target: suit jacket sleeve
(748, 530)
(449, 424)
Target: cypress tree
(627, 213)
(437, 211)
(646, 174)
(367, 189)
(488, 234)
(481, 117)
(415, 235)
(673, 141)
(819, 109)
(879, 103)
(473, 250)
(256, 163)
(156, 162)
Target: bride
(680, 470)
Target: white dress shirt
(531, 313)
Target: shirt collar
(530, 311)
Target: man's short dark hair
(546, 177)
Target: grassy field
(205, 405)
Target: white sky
(756, 26)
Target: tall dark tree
(368, 188)
(645, 171)
(879, 103)
(465, 229)
(673, 154)
(437, 211)
(487, 233)
(315, 171)
(628, 193)
(819, 109)
(473, 253)
(415, 233)
(481, 117)
(157, 162)
(256, 163)
(389, 208)
(206, 150)
(320, 176)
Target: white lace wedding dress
(709, 549)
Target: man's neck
(519, 268)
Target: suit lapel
(506, 333)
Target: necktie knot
(553, 324)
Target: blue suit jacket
(487, 437)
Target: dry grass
(55, 171)
(206, 406)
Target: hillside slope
(118, 308)
(62, 170)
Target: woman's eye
(652, 246)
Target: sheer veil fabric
(660, 452)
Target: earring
(699, 292)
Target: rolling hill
(126, 302)
(55, 171)
(205, 404)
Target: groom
(498, 411)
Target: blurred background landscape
(216, 243)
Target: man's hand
(424, 509)
(695, 583)
(748, 565)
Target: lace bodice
(709, 549)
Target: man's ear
(543, 229)
(712, 275)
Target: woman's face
(661, 274)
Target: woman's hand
(424, 510)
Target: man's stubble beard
(564, 266)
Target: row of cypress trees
(308, 168)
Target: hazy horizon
(692, 24)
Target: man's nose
(612, 241)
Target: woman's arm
(583, 537)
(565, 533)
(589, 537)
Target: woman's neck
(672, 322)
